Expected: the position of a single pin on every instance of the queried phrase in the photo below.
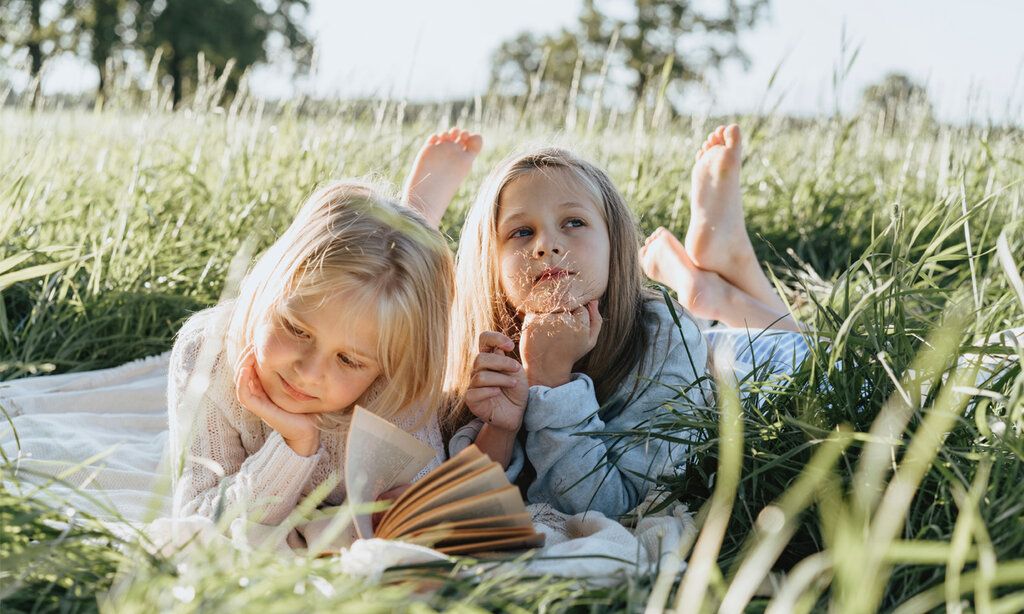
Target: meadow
(880, 477)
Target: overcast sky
(971, 54)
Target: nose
(307, 366)
(546, 244)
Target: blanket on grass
(95, 442)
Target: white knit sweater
(233, 459)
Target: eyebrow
(566, 205)
(348, 350)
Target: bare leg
(717, 238)
(707, 294)
(440, 168)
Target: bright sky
(971, 54)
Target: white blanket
(101, 435)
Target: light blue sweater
(564, 425)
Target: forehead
(341, 320)
(544, 189)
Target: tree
(517, 61)
(37, 26)
(649, 36)
(896, 98)
(103, 21)
(222, 30)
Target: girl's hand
(498, 390)
(299, 431)
(551, 343)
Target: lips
(552, 273)
(294, 392)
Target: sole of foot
(666, 261)
(717, 239)
(441, 166)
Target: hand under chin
(554, 302)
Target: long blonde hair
(481, 305)
(350, 240)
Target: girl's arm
(497, 393)
(502, 446)
(578, 469)
(215, 472)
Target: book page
(437, 539)
(510, 521)
(501, 502)
(486, 479)
(411, 500)
(379, 456)
(535, 540)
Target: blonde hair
(350, 240)
(481, 305)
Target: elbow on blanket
(613, 498)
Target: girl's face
(552, 243)
(315, 357)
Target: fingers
(492, 379)
(249, 390)
(477, 399)
(489, 341)
(495, 362)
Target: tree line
(112, 32)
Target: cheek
(350, 387)
(514, 273)
(271, 347)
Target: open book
(464, 506)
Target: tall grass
(882, 475)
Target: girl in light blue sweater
(558, 347)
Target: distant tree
(549, 58)
(104, 20)
(649, 35)
(38, 26)
(896, 98)
(247, 31)
(243, 30)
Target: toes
(474, 143)
(718, 136)
(434, 139)
(732, 136)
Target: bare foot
(717, 239)
(439, 169)
(664, 259)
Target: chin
(546, 302)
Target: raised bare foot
(704, 293)
(717, 239)
(440, 167)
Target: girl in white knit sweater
(349, 306)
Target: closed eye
(347, 362)
(294, 330)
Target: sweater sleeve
(211, 470)
(581, 463)
(468, 434)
